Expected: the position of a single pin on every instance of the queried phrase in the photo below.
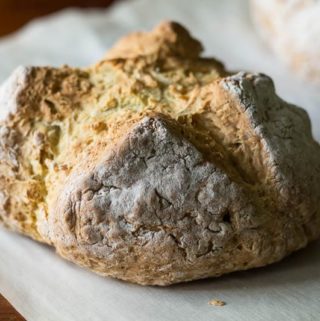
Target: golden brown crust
(155, 166)
(167, 39)
(29, 139)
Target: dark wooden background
(7, 312)
(13, 15)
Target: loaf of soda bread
(157, 166)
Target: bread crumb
(217, 303)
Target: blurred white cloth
(44, 287)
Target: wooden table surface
(7, 312)
(13, 15)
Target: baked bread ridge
(209, 173)
(292, 33)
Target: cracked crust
(155, 166)
(154, 193)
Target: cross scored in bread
(156, 165)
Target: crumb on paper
(217, 303)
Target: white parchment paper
(44, 287)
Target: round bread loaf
(157, 166)
(292, 30)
